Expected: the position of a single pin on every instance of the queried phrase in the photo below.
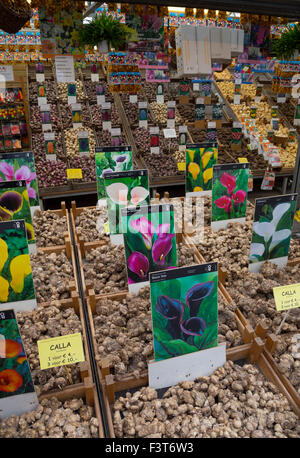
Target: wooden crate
(104, 369)
(254, 352)
(85, 390)
(73, 285)
(83, 245)
(67, 234)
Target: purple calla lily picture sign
(184, 303)
(21, 166)
(229, 194)
(150, 242)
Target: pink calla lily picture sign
(272, 230)
(229, 194)
(150, 242)
(21, 166)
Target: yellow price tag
(297, 216)
(59, 351)
(287, 297)
(74, 173)
(106, 227)
(181, 166)
(243, 160)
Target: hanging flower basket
(12, 20)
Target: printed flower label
(184, 303)
(287, 297)
(14, 205)
(111, 159)
(150, 242)
(229, 194)
(60, 351)
(17, 394)
(200, 159)
(272, 230)
(16, 283)
(21, 166)
(124, 189)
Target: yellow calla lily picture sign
(16, 282)
(14, 205)
(200, 159)
(297, 216)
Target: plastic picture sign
(16, 283)
(229, 194)
(272, 230)
(21, 166)
(111, 159)
(123, 189)
(14, 205)
(150, 242)
(184, 304)
(17, 394)
(200, 159)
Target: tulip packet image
(14, 205)
(111, 159)
(200, 159)
(150, 242)
(272, 230)
(17, 394)
(124, 189)
(16, 282)
(21, 166)
(184, 304)
(229, 194)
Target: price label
(74, 174)
(181, 166)
(287, 297)
(169, 133)
(243, 160)
(106, 227)
(133, 98)
(60, 351)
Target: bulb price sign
(287, 297)
(60, 351)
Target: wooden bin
(67, 234)
(73, 285)
(254, 352)
(85, 390)
(75, 211)
(103, 366)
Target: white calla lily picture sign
(272, 230)
(124, 189)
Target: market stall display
(146, 250)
